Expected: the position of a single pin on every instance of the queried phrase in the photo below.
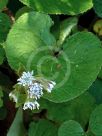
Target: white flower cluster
(34, 89)
(26, 79)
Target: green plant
(50, 66)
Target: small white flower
(51, 85)
(26, 78)
(35, 90)
(13, 97)
(31, 105)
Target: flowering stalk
(34, 89)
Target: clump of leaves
(64, 94)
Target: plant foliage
(50, 68)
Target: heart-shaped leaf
(59, 6)
(73, 69)
(70, 128)
(78, 67)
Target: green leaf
(98, 7)
(96, 91)
(70, 128)
(78, 64)
(65, 29)
(76, 69)
(42, 128)
(96, 121)
(5, 24)
(59, 7)
(78, 109)
(17, 128)
(33, 27)
(82, 108)
(3, 4)
(58, 112)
